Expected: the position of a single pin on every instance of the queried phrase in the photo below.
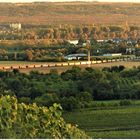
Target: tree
(56, 34)
(81, 40)
(29, 55)
(69, 103)
(85, 96)
(126, 27)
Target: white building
(113, 54)
(100, 41)
(15, 26)
(75, 56)
(74, 42)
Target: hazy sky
(70, 0)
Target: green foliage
(70, 103)
(125, 102)
(31, 121)
(75, 88)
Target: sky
(69, 0)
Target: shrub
(15, 71)
(70, 103)
(121, 68)
(125, 102)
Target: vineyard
(125, 83)
(69, 70)
(30, 121)
(102, 102)
(108, 123)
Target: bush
(105, 104)
(70, 103)
(121, 68)
(125, 102)
(15, 71)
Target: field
(62, 69)
(70, 13)
(115, 122)
(129, 64)
(15, 63)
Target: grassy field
(116, 122)
(130, 134)
(70, 13)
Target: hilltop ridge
(74, 13)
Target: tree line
(71, 32)
(41, 51)
(74, 88)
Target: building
(15, 26)
(130, 50)
(75, 56)
(74, 42)
(100, 41)
(113, 54)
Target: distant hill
(70, 13)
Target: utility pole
(88, 46)
(88, 55)
(15, 55)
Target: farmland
(70, 13)
(103, 102)
(117, 122)
(74, 60)
(129, 64)
(15, 63)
